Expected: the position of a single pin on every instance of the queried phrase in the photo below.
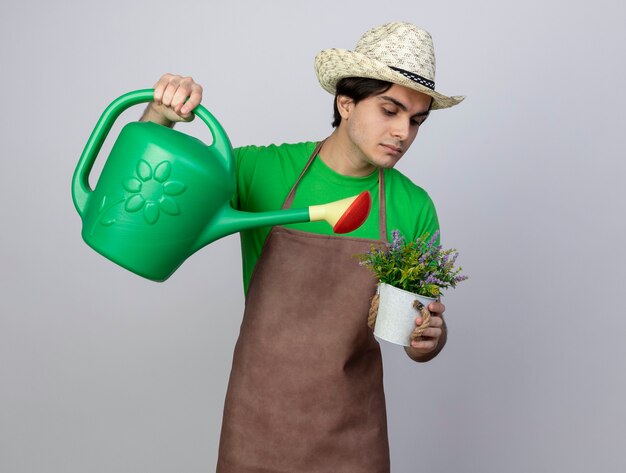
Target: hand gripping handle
(80, 180)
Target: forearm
(150, 114)
(420, 357)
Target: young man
(306, 391)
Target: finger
(431, 333)
(436, 322)
(194, 100)
(160, 86)
(437, 307)
(182, 93)
(170, 90)
(426, 345)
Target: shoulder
(284, 150)
(271, 160)
(401, 186)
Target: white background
(102, 371)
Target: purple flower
(434, 238)
(398, 240)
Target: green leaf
(174, 188)
(135, 203)
(151, 212)
(163, 171)
(169, 206)
(132, 185)
(144, 170)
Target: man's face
(381, 128)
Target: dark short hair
(357, 88)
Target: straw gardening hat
(396, 52)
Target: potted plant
(411, 275)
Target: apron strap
(382, 206)
(292, 193)
(382, 214)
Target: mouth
(392, 149)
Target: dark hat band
(415, 78)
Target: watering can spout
(343, 215)
(228, 221)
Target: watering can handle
(80, 180)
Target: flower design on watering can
(153, 191)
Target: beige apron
(306, 386)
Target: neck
(343, 157)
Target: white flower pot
(396, 316)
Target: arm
(174, 99)
(434, 337)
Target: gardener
(306, 389)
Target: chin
(386, 163)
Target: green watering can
(163, 195)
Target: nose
(401, 129)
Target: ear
(345, 105)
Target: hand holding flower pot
(411, 275)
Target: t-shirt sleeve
(427, 221)
(410, 208)
(245, 163)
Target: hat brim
(332, 65)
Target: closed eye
(418, 121)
